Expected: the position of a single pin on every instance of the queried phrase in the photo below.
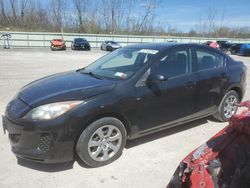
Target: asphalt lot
(147, 162)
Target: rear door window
(208, 60)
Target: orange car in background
(57, 44)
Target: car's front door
(171, 100)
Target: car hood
(57, 43)
(65, 86)
(81, 43)
(115, 45)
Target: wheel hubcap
(104, 143)
(230, 107)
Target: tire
(102, 142)
(227, 108)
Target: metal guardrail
(42, 39)
(6, 38)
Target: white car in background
(110, 46)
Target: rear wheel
(228, 106)
(102, 142)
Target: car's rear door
(211, 79)
(159, 104)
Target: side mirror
(156, 78)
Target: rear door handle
(189, 85)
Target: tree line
(137, 17)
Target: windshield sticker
(121, 75)
(148, 51)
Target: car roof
(160, 46)
(79, 38)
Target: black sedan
(128, 93)
(80, 44)
(235, 48)
(224, 45)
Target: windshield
(59, 40)
(80, 40)
(121, 64)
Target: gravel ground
(146, 162)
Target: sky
(185, 14)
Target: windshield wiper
(91, 74)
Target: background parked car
(224, 45)
(235, 48)
(212, 44)
(57, 44)
(110, 45)
(245, 49)
(240, 49)
(80, 44)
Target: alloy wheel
(104, 143)
(230, 107)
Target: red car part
(223, 161)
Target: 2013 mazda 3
(131, 92)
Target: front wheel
(227, 107)
(102, 142)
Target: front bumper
(45, 145)
(112, 48)
(82, 47)
(53, 47)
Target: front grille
(45, 143)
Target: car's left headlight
(51, 111)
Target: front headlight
(51, 111)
